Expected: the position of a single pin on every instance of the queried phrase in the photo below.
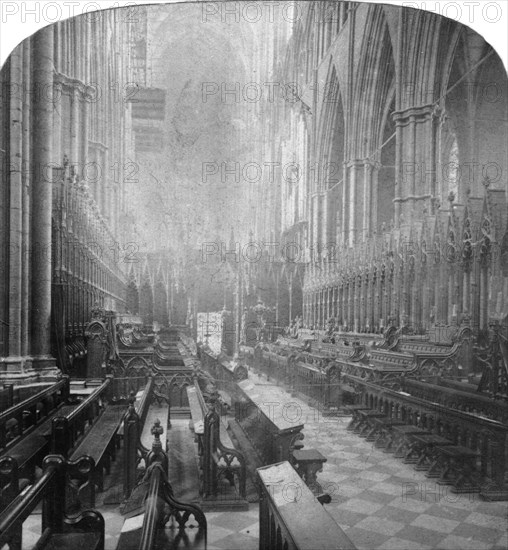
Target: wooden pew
(58, 530)
(100, 442)
(22, 458)
(217, 456)
(150, 530)
(20, 419)
(133, 449)
(291, 517)
(69, 426)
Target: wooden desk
(456, 465)
(384, 428)
(421, 453)
(401, 439)
(308, 463)
(265, 415)
(355, 421)
(365, 427)
(291, 517)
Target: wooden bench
(72, 423)
(197, 421)
(89, 430)
(29, 452)
(20, 419)
(100, 443)
(103, 439)
(58, 530)
(217, 457)
(136, 426)
(291, 517)
(150, 530)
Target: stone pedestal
(17, 370)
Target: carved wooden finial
(132, 400)
(157, 430)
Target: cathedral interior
(254, 280)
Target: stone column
(371, 288)
(390, 279)
(321, 310)
(466, 293)
(353, 215)
(425, 303)
(484, 290)
(330, 302)
(27, 151)
(343, 303)
(42, 201)
(351, 304)
(362, 301)
(15, 224)
(75, 130)
(370, 175)
(415, 161)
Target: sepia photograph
(253, 275)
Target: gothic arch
(330, 167)
(373, 127)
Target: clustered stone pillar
(16, 208)
(42, 201)
(415, 162)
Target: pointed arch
(330, 167)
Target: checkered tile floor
(378, 501)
